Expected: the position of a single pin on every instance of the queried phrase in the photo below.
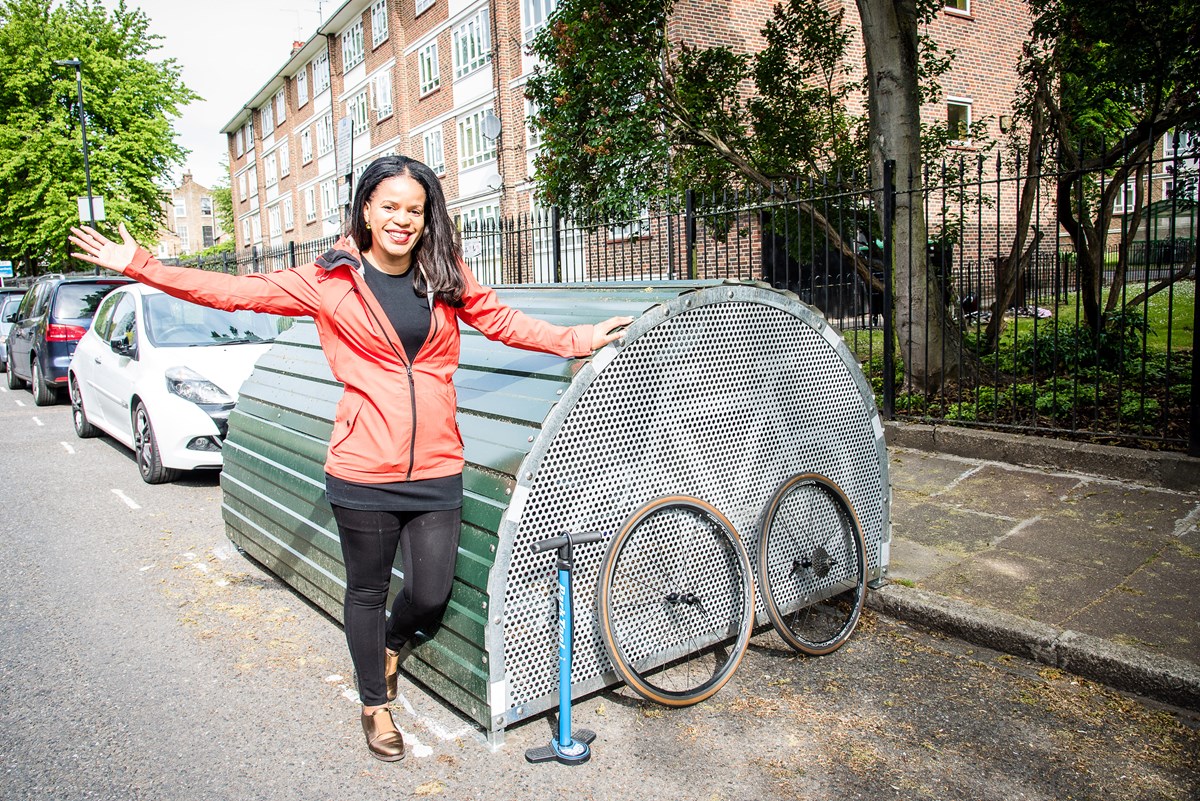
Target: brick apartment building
(190, 222)
(443, 81)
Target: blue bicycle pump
(569, 748)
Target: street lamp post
(87, 172)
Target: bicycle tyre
(812, 564)
(675, 587)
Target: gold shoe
(386, 744)
(391, 671)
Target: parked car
(49, 322)
(10, 299)
(161, 375)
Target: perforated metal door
(720, 394)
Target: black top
(409, 314)
(407, 311)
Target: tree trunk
(930, 343)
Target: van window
(79, 301)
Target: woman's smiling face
(395, 214)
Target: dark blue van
(53, 316)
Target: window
(248, 133)
(183, 239)
(245, 192)
(241, 146)
(320, 68)
(435, 154)
(206, 206)
(269, 174)
(533, 134)
(281, 105)
(379, 23)
(254, 182)
(1184, 147)
(352, 46)
(958, 119)
(962, 6)
(310, 204)
(534, 14)
(1126, 198)
(356, 109)
(472, 44)
(289, 214)
(305, 146)
(324, 134)
(422, 5)
(256, 228)
(273, 221)
(285, 159)
(329, 197)
(427, 67)
(383, 95)
(206, 233)
(246, 231)
(302, 86)
(267, 113)
(473, 147)
(180, 207)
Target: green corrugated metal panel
(494, 656)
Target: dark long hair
(437, 252)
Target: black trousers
(428, 543)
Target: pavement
(1083, 557)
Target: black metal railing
(1131, 380)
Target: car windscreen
(171, 323)
(79, 301)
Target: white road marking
(145, 568)
(67, 447)
(19, 403)
(38, 421)
(128, 501)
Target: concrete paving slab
(925, 473)
(1010, 492)
(1041, 589)
(912, 561)
(1127, 507)
(944, 526)
(1156, 608)
(1111, 549)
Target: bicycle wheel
(812, 564)
(676, 601)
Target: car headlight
(191, 386)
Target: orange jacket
(395, 420)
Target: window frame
(376, 17)
(306, 146)
(965, 127)
(420, 6)
(429, 71)
(310, 203)
(472, 33)
(382, 112)
(301, 79)
(354, 55)
(474, 149)
(321, 78)
(438, 148)
(356, 109)
(281, 106)
(266, 115)
(530, 26)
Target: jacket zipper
(412, 386)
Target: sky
(226, 49)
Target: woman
(386, 302)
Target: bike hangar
(718, 391)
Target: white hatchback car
(160, 375)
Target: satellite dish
(491, 125)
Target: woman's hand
(609, 330)
(100, 250)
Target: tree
(627, 116)
(1105, 82)
(129, 100)
(222, 196)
